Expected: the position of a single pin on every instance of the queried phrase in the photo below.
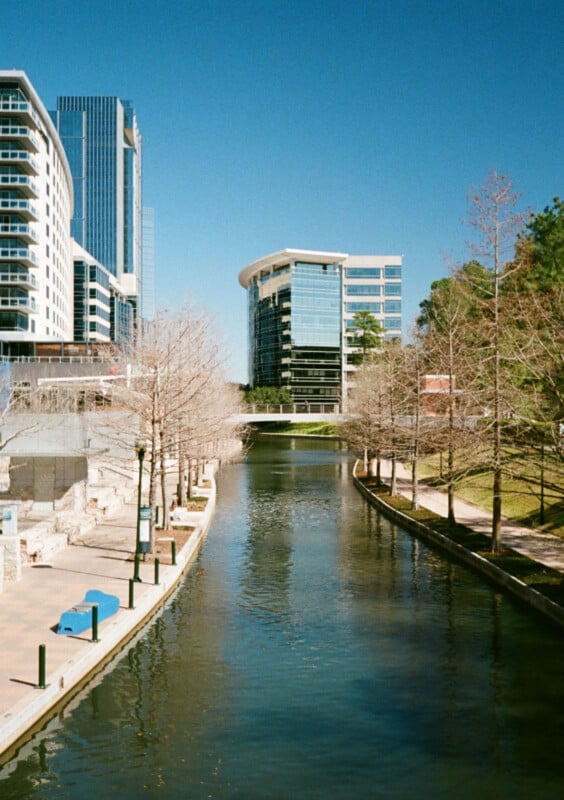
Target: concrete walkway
(30, 610)
(542, 547)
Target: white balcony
(20, 158)
(27, 138)
(22, 279)
(21, 254)
(23, 183)
(22, 207)
(20, 230)
(21, 109)
(26, 305)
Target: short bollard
(173, 546)
(131, 592)
(42, 658)
(95, 623)
(136, 569)
(157, 565)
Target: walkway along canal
(314, 651)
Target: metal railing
(53, 359)
(293, 408)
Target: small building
(436, 393)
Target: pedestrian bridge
(294, 412)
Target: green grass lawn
(298, 428)
(521, 486)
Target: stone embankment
(508, 583)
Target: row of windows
(389, 307)
(373, 272)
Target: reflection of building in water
(266, 575)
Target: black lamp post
(140, 449)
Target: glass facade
(91, 303)
(363, 272)
(295, 330)
(121, 319)
(103, 146)
(363, 290)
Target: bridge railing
(293, 408)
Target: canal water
(314, 651)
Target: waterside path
(30, 610)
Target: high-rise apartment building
(36, 206)
(301, 307)
(103, 145)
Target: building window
(364, 272)
(392, 272)
(374, 308)
(364, 289)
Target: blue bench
(79, 618)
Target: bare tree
(174, 379)
(363, 429)
(492, 215)
(449, 339)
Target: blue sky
(339, 125)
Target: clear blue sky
(319, 124)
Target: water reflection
(316, 651)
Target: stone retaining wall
(493, 573)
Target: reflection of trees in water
(445, 646)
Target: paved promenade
(30, 610)
(542, 547)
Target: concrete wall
(46, 479)
(111, 433)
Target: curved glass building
(301, 304)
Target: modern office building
(102, 312)
(301, 305)
(103, 145)
(36, 206)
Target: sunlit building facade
(301, 305)
(36, 205)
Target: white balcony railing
(18, 229)
(19, 107)
(22, 207)
(21, 132)
(18, 254)
(22, 158)
(18, 279)
(24, 183)
(18, 303)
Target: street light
(140, 449)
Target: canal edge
(494, 574)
